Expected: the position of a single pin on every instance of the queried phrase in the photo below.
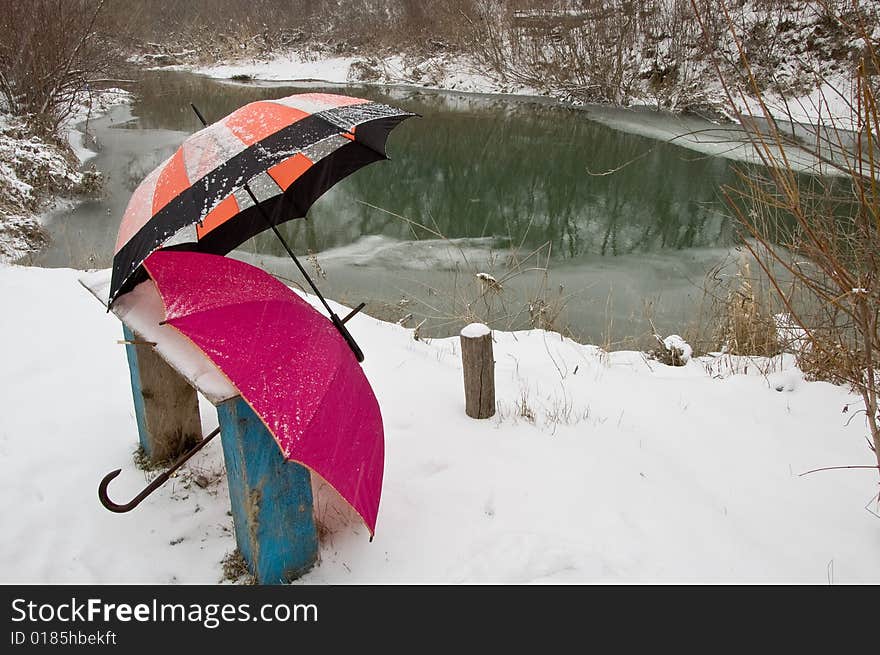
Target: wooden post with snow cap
(479, 370)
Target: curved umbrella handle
(150, 488)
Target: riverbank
(446, 72)
(801, 59)
(39, 173)
(598, 467)
(828, 102)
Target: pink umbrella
(290, 364)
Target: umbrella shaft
(296, 261)
(339, 324)
(271, 224)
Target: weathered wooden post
(271, 498)
(479, 370)
(165, 405)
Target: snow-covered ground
(598, 467)
(76, 126)
(448, 72)
(287, 66)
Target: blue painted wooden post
(271, 498)
(137, 396)
(166, 407)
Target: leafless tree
(51, 51)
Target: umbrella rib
(264, 214)
(330, 383)
(334, 319)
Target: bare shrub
(223, 29)
(51, 52)
(817, 237)
(596, 52)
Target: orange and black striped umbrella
(288, 151)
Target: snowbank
(597, 467)
(29, 166)
(445, 72)
(77, 124)
(284, 67)
(35, 172)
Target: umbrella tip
(198, 114)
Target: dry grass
(516, 295)
(523, 409)
(665, 355)
(746, 323)
(737, 313)
(235, 569)
(831, 363)
(547, 412)
(145, 463)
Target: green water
(497, 177)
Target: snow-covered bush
(672, 351)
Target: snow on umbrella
(290, 150)
(263, 164)
(289, 364)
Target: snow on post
(479, 370)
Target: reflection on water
(495, 172)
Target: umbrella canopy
(289, 363)
(289, 150)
